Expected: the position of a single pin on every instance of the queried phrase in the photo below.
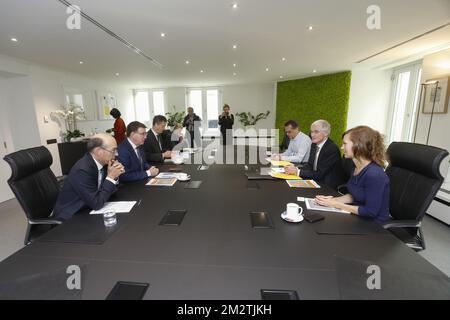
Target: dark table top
(215, 253)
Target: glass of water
(109, 218)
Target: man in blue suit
(132, 156)
(92, 180)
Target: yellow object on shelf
(285, 176)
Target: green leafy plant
(247, 119)
(73, 134)
(174, 117)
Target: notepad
(312, 205)
(117, 206)
(165, 182)
(302, 184)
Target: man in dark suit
(92, 180)
(226, 121)
(132, 157)
(153, 146)
(324, 163)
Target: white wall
(435, 66)
(369, 99)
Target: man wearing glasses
(92, 180)
(132, 156)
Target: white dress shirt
(298, 150)
(100, 174)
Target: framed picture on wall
(106, 101)
(437, 92)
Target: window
(212, 108)
(142, 108)
(158, 103)
(195, 101)
(209, 97)
(404, 102)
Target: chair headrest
(28, 161)
(416, 157)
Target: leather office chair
(414, 181)
(347, 165)
(285, 143)
(35, 187)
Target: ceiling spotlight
(267, 69)
(314, 71)
(163, 35)
(81, 62)
(117, 74)
(234, 46)
(234, 73)
(234, 5)
(13, 39)
(187, 62)
(283, 59)
(201, 71)
(281, 77)
(310, 28)
(234, 65)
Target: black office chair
(414, 181)
(347, 166)
(35, 187)
(285, 143)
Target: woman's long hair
(368, 144)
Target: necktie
(100, 178)
(159, 141)
(140, 158)
(316, 158)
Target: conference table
(215, 253)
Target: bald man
(92, 180)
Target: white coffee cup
(294, 211)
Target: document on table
(117, 206)
(312, 205)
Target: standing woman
(119, 126)
(226, 121)
(368, 185)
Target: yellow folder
(285, 176)
(276, 163)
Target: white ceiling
(203, 32)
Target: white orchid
(70, 113)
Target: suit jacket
(153, 152)
(186, 122)
(329, 165)
(135, 169)
(81, 190)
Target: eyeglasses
(114, 151)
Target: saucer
(283, 216)
(187, 178)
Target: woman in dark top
(368, 185)
(120, 128)
(226, 121)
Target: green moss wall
(322, 97)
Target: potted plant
(74, 136)
(248, 119)
(70, 113)
(174, 117)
